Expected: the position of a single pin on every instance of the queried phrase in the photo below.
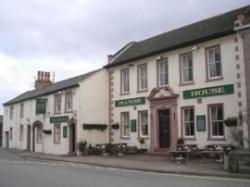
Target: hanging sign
(40, 106)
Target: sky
(72, 37)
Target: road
(18, 172)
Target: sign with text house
(59, 119)
(131, 101)
(209, 91)
(40, 106)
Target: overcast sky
(71, 37)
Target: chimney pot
(43, 80)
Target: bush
(82, 146)
(180, 141)
(115, 126)
(231, 121)
(93, 150)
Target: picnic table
(182, 152)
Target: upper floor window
(11, 111)
(21, 110)
(57, 103)
(68, 101)
(188, 121)
(186, 68)
(125, 124)
(216, 120)
(213, 62)
(142, 77)
(143, 123)
(162, 72)
(125, 81)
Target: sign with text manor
(131, 101)
(209, 91)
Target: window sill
(216, 139)
(142, 91)
(189, 138)
(214, 79)
(124, 94)
(68, 111)
(57, 113)
(186, 83)
(144, 137)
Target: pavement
(143, 162)
(16, 170)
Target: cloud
(71, 37)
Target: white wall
(227, 46)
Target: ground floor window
(21, 132)
(188, 121)
(57, 133)
(216, 120)
(38, 135)
(125, 130)
(143, 123)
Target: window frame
(21, 111)
(123, 92)
(181, 69)
(67, 94)
(140, 124)
(139, 78)
(57, 141)
(122, 125)
(57, 95)
(183, 122)
(164, 59)
(11, 112)
(208, 76)
(210, 122)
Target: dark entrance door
(164, 128)
(7, 139)
(29, 138)
(72, 138)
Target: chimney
(43, 80)
(110, 58)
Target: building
(53, 117)
(1, 129)
(183, 84)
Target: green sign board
(133, 125)
(201, 123)
(65, 131)
(131, 101)
(209, 91)
(59, 119)
(40, 106)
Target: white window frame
(189, 122)
(212, 62)
(68, 100)
(125, 81)
(212, 121)
(58, 103)
(142, 123)
(125, 123)
(22, 110)
(184, 59)
(142, 77)
(162, 74)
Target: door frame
(166, 100)
(158, 124)
(71, 138)
(7, 139)
(29, 137)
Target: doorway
(164, 128)
(28, 138)
(7, 139)
(72, 139)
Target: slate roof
(204, 30)
(68, 83)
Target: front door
(72, 138)
(7, 139)
(164, 128)
(29, 138)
